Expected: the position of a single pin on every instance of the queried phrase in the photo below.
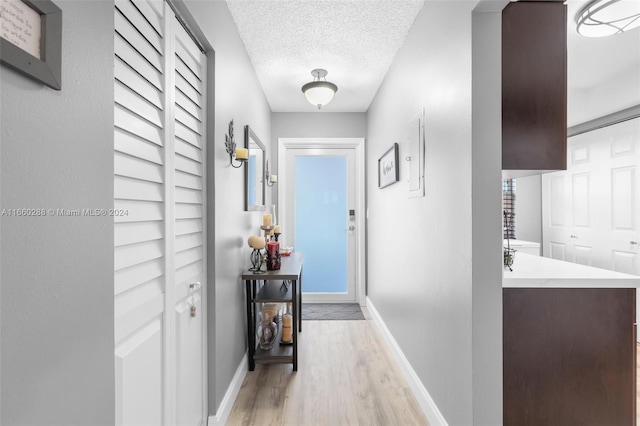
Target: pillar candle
(276, 229)
(266, 219)
(287, 321)
(242, 153)
(273, 256)
(273, 178)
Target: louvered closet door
(159, 251)
(189, 248)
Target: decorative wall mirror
(254, 171)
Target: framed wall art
(31, 39)
(388, 171)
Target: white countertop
(531, 271)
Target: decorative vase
(267, 332)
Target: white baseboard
(222, 415)
(427, 404)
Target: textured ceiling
(355, 41)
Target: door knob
(633, 242)
(572, 236)
(193, 287)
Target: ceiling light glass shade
(601, 18)
(319, 92)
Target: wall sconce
(270, 179)
(240, 154)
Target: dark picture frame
(47, 70)
(388, 169)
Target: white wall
(425, 291)
(56, 151)
(238, 96)
(529, 209)
(620, 92)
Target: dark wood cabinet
(569, 356)
(534, 86)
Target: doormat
(331, 311)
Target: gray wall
(313, 125)
(56, 151)
(238, 96)
(439, 309)
(317, 125)
(486, 238)
(529, 208)
(425, 298)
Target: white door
(322, 218)
(623, 183)
(568, 209)
(601, 187)
(159, 239)
(591, 211)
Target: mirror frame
(248, 135)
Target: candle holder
(230, 145)
(276, 235)
(269, 179)
(267, 232)
(256, 261)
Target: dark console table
(268, 287)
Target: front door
(319, 196)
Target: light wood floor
(346, 376)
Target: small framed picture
(31, 39)
(388, 171)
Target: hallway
(346, 376)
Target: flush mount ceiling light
(319, 92)
(600, 18)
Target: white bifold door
(159, 187)
(591, 211)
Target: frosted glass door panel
(321, 222)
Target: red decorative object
(273, 255)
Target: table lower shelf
(273, 291)
(280, 353)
